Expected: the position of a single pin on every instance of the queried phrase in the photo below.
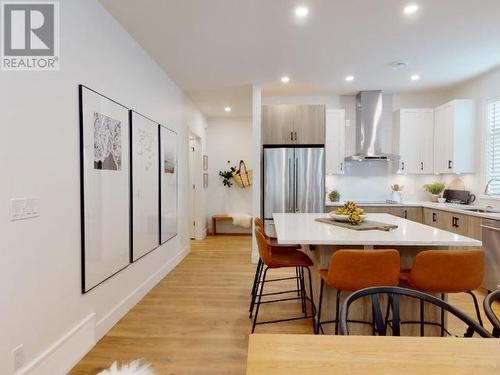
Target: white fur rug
(133, 368)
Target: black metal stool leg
(337, 310)
(297, 274)
(254, 296)
(259, 300)
(476, 306)
(442, 317)
(313, 309)
(318, 323)
(255, 283)
(421, 318)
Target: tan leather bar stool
(284, 258)
(258, 270)
(443, 272)
(351, 270)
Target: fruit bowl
(343, 218)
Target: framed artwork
(105, 187)
(145, 185)
(205, 180)
(168, 183)
(205, 162)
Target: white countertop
(301, 228)
(450, 207)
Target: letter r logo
(28, 29)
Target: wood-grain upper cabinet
(277, 124)
(293, 124)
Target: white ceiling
(215, 49)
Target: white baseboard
(66, 352)
(111, 318)
(61, 356)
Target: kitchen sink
(482, 210)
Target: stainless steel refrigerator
(293, 181)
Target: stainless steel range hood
(369, 128)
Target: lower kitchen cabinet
(410, 213)
(465, 225)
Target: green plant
(334, 196)
(435, 188)
(227, 175)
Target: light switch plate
(24, 208)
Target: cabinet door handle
(450, 164)
(291, 136)
(434, 218)
(402, 165)
(295, 136)
(422, 166)
(454, 222)
(406, 214)
(341, 166)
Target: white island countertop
(301, 228)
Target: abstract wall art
(105, 187)
(168, 184)
(145, 185)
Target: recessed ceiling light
(410, 9)
(301, 12)
(285, 79)
(415, 77)
(349, 78)
(227, 109)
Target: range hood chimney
(369, 128)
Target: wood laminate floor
(195, 321)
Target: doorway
(195, 178)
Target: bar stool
(272, 259)
(258, 270)
(351, 270)
(445, 271)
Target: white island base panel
(361, 310)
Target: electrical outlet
(17, 358)
(24, 208)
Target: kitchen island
(320, 240)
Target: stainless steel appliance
(294, 181)
(369, 128)
(491, 247)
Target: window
(493, 146)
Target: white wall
(228, 139)
(40, 300)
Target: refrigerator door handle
(296, 187)
(290, 184)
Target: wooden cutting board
(365, 225)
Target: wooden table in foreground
(320, 241)
(317, 355)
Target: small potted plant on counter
(334, 196)
(434, 190)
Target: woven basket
(243, 177)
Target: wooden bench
(215, 218)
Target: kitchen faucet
(487, 188)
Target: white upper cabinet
(335, 141)
(454, 137)
(413, 140)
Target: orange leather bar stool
(351, 270)
(445, 271)
(283, 258)
(258, 270)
